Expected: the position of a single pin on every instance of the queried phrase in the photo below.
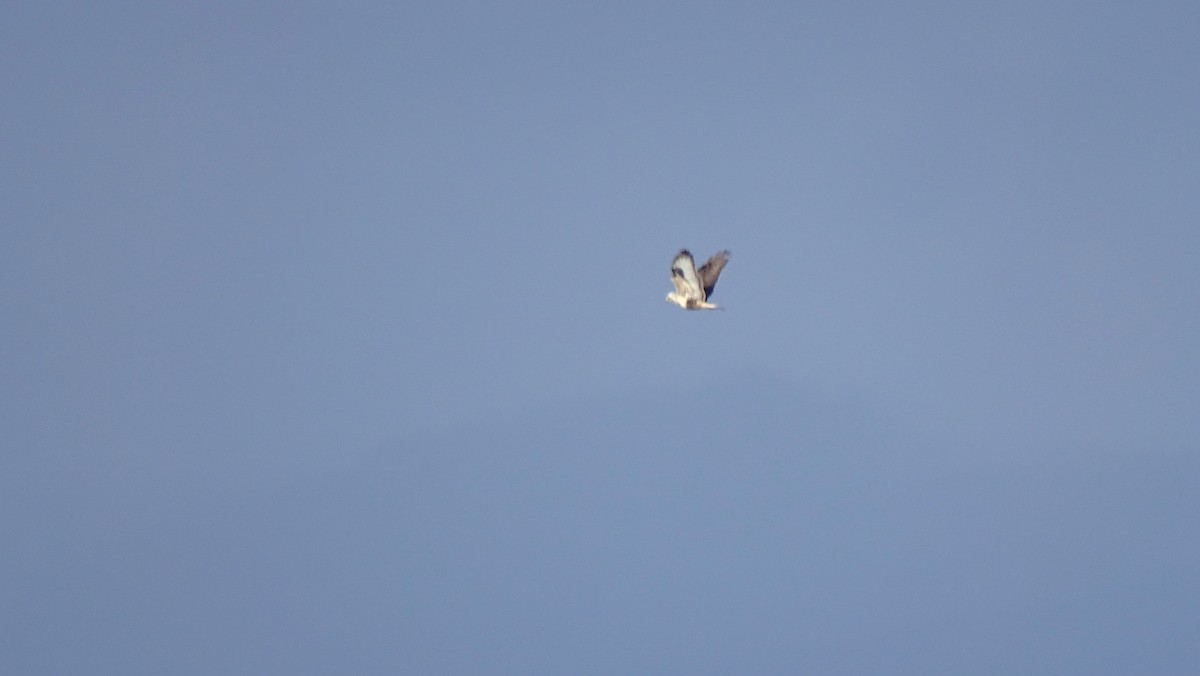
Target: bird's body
(692, 286)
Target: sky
(335, 338)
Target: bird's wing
(683, 275)
(711, 269)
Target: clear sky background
(334, 338)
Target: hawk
(692, 286)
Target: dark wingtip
(684, 252)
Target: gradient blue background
(334, 338)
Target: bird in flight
(692, 286)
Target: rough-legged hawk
(692, 286)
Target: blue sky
(272, 274)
